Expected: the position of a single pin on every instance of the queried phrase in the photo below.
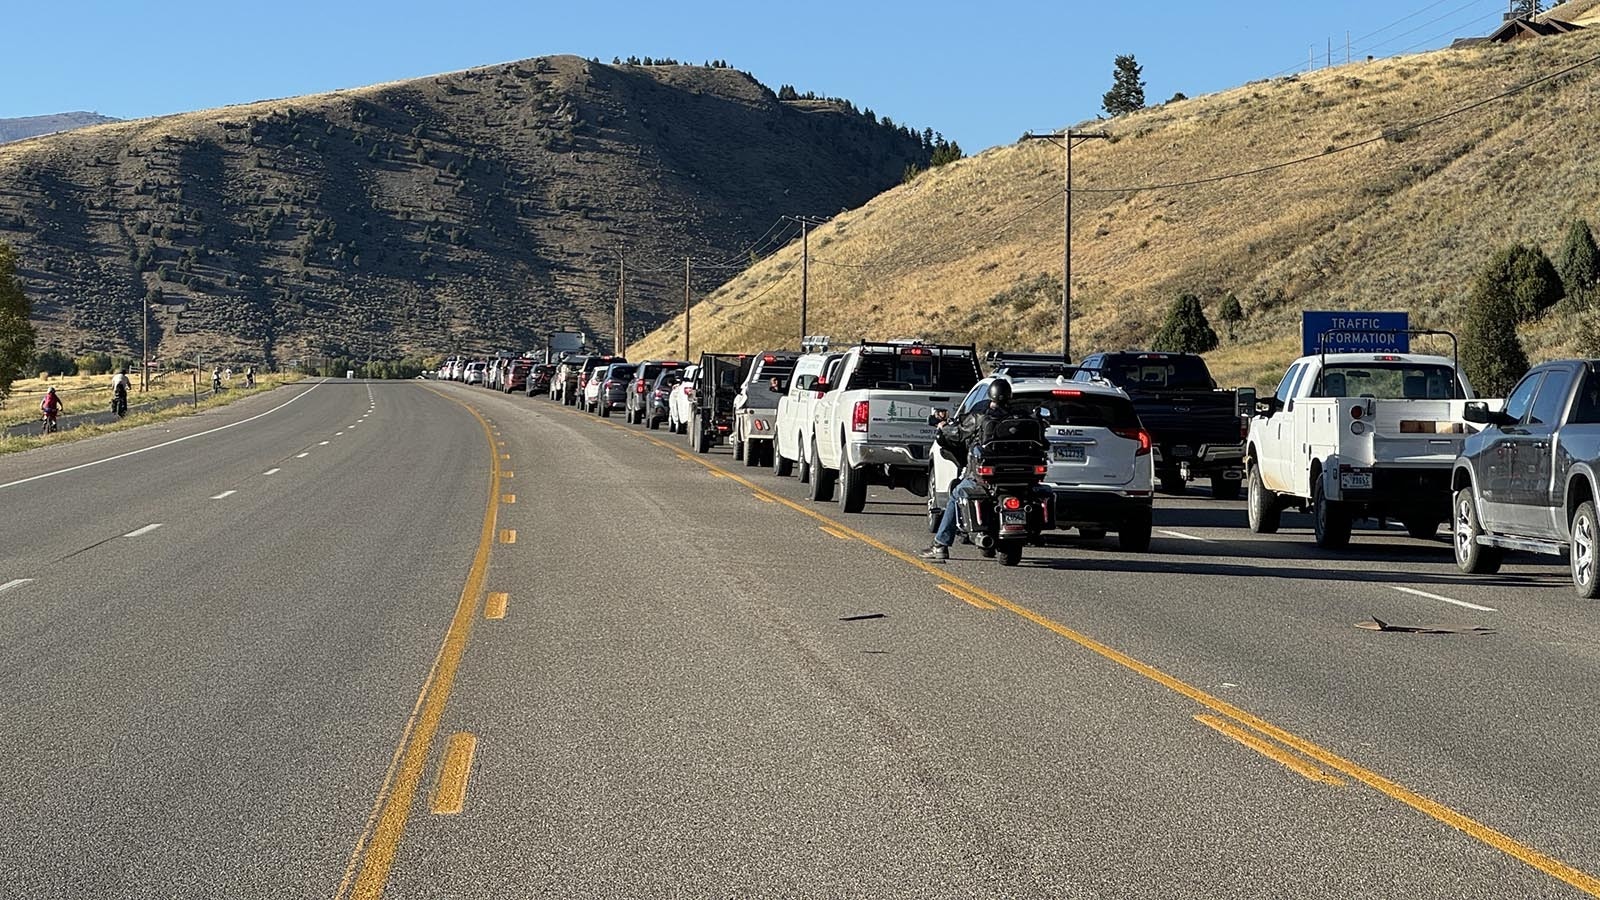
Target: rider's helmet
(51, 392)
(999, 392)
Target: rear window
(1156, 372)
(778, 368)
(1387, 381)
(616, 372)
(1085, 410)
(954, 372)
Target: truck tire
(1224, 488)
(750, 453)
(782, 466)
(699, 435)
(821, 487)
(804, 462)
(605, 410)
(1261, 506)
(652, 422)
(1330, 520)
(1581, 551)
(1471, 556)
(852, 487)
(1134, 535)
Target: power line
(1386, 135)
(916, 261)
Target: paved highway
(421, 640)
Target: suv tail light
(1135, 434)
(859, 415)
(638, 386)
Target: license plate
(1071, 453)
(1013, 517)
(1355, 481)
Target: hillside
(32, 126)
(972, 250)
(478, 209)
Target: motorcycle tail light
(1041, 470)
(1011, 503)
(985, 471)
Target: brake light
(1011, 503)
(1135, 434)
(1041, 470)
(1066, 393)
(914, 351)
(1387, 358)
(638, 386)
(768, 358)
(985, 471)
(859, 415)
(1355, 412)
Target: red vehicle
(516, 375)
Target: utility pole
(621, 341)
(805, 274)
(144, 370)
(1067, 140)
(686, 307)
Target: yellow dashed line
(450, 793)
(495, 606)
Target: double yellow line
(1223, 710)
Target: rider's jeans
(946, 535)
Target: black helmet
(999, 392)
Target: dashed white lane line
(145, 530)
(302, 455)
(1442, 599)
(224, 494)
(323, 443)
(14, 583)
(1187, 537)
(338, 434)
(272, 471)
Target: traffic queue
(1349, 435)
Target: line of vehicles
(1346, 437)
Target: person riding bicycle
(51, 407)
(119, 392)
(970, 433)
(216, 380)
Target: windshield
(1388, 381)
(955, 372)
(1157, 372)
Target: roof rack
(993, 356)
(815, 343)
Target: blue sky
(980, 72)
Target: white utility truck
(1357, 435)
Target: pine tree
(1528, 277)
(1491, 353)
(1127, 91)
(16, 331)
(1186, 329)
(1579, 262)
(1231, 313)
(1526, 9)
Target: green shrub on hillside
(1579, 261)
(1527, 277)
(1231, 312)
(1491, 352)
(93, 364)
(1186, 329)
(54, 362)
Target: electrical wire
(1386, 135)
(917, 261)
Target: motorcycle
(1010, 506)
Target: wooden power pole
(686, 307)
(621, 320)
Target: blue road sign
(1354, 332)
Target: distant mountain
(33, 126)
(478, 209)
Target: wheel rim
(1464, 531)
(1583, 550)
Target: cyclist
(51, 407)
(119, 393)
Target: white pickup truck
(873, 424)
(1357, 435)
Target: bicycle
(49, 424)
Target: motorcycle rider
(972, 431)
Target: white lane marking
(224, 494)
(15, 582)
(338, 434)
(302, 455)
(272, 471)
(159, 446)
(1414, 591)
(145, 530)
(323, 443)
(1187, 537)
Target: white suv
(1101, 468)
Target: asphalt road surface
(349, 639)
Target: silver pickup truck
(755, 409)
(1528, 480)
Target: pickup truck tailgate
(902, 416)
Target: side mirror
(1476, 411)
(1244, 400)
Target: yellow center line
(835, 533)
(450, 792)
(763, 497)
(375, 850)
(1506, 844)
(495, 606)
(1270, 750)
(964, 598)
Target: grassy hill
(972, 250)
(477, 209)
(33, 126)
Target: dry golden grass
(1399, 223)
(90, 393)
